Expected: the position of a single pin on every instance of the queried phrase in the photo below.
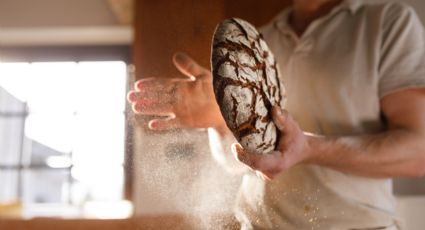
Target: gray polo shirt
(335, 76)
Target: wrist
(313, 150)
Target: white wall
(60, 22)
(55, 13)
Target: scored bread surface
(246, 84)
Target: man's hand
(293, 148)
(398, 151)
(185, 103)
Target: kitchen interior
(74, 156)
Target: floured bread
(246, 84)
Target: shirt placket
(306, 42)
(301, 46)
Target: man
(355, 79)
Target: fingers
(284, 122)
(188, 66)
(160, 97)
(158, 109)
(155, 84)
(241, 156)
(151, 104)
(154, 96)
(164, 124)
(279, 117)
(264, 176)
(133, 96)
(267, 166)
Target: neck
(311, 6)
(306, 11)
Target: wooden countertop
(172, 222)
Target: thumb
(188, 66)
(280, 118)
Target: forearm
(394, 153)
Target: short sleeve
(402, 51)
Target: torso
(332, 81)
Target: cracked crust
(246, 84)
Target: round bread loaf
(246, 84)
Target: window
(62, 135)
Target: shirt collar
(352, 5)
(281, 21)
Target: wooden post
(163, 27)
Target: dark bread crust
(246, 84)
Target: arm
(180, 102)
(398, 151)
(186, 103)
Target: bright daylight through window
(62, 136)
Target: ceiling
(42, 13)
(65, 22)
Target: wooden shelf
(170, 222)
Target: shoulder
(387, 17)
(396, 8)
(390, 6)
(389, 11)
(399, 18)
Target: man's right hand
(183, 102)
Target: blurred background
(73, 156)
